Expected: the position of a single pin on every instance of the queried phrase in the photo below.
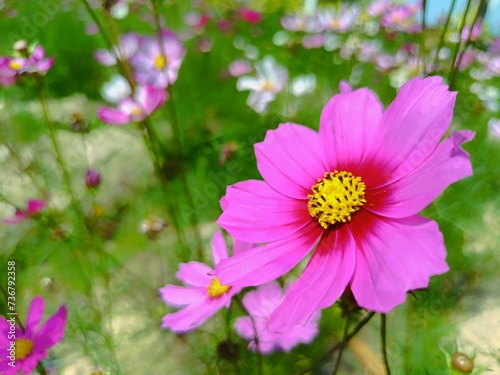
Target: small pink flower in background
(203, 295)
(92, 179)
(197, 20)
(401, 17)
(260, 304)
(144, 102)
(341, 20)
(239, 67)
(33, 207)
(158, 65)
(300, 22)
(352, 192)
(271, 79)
(31, 345)
(249, 15)
(313, 41)
(378, 7)
(129, 43)
(476, 32)
(91, 28)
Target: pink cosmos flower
(260, 304)
(33, 207)
(155, 64)
(341, 20)
(34, 63)
(203, 295)
(26, 349)
(239, 67)
(249, 15)
(401, 17)
(144, 102)
(352, 192)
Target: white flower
(116, 89)
(271, 79)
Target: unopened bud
(21, 46)
(92, 179)
(462, 363)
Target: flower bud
(21, 46)
(462, 363)
(92, 179)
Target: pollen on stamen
(335, 198)
(216, 290)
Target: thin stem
(459, 42)
(383, 338)
(467, 44)
(343, 344)
(422, 38)
(443, 34)
(41, 369)
(337, 346)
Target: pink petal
(289, 160)
(35, 314)
(8, 370)
(245, 327)
(266, 263)
(112, 116)
(30, 362)
(149, 98)
(194, 274)
(394, 256)
(348, 124)
(34, 206)
(191, 316)
(321, 283)
(219, 248)
(44, 65)
(53, 330)
(182, 296)
(256, 213)
(262, 301)
(19, 216)
(408, 196)
(412, 125)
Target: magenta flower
(260, 304)
(92, 179)
(22, 351)
(33, 207)
(249, 15)
(352, 192)
(155, 64)
(144, 102)
(203, 295)
(34, 63)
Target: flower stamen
(23, 348)
(160, 62)
(216, 290)
(335, 198)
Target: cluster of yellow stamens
(216, 290)
(23, 348)
(335, 198)
(160, 62)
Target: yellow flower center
(136, 110)
(216, 290)
(265, 85)
(335, 198)
(16, 65)
(160, 62)
(24, 347)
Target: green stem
(466, 46)
(458, 44)
(337, 346)
(342, 344)
(383, 338)
(422, 38)
(443, 34)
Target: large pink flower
(30, 346)
(352, 192)
(203, 295)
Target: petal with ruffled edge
(394, 256)
(266, 263)
(194, 274)
(52, 331)
(348, 124)
(112, 116)
(289, 159)
(219, 248)
(321, 283)
(256, 213)
(182, 296)
(191, 316)
(412, 126)
(411, 194)
(34, 316)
